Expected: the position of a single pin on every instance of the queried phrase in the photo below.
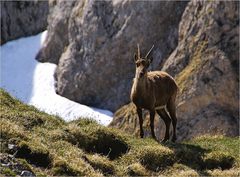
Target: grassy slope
(49, 146)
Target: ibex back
(154, 91)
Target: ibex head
(142, 63)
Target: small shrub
(233, 172)
(180, 170)
(106, 143)
(24, 164)
(62, 168)
(7, 100)
(99, 139)
(11, 130)
(156, 157)
(82, 122)
(101, 163)
(137, 169)
(7, 171)
(69, 158)
(38, 156)
(218, 159)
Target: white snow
(32, 82)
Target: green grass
(8, 172)
(83, 147)
(185, 77)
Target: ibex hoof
(164, 140)
(174, 139)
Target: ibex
(154, 91)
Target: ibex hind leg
(171, 107)
(167, 120)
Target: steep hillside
(205, 65)
(33, 142)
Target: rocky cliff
(205, 65)
(93, 43)
(22, 18)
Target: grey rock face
(96, 67)
(57, 37)
(22, 18)
(205, 65)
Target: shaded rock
(11, 166)
(57, 37)
(26, 173)
(96, 67)
(22, 18)
(205, 66)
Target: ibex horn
(138, 51)
(149, 52)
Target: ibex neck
(139, 87)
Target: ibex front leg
(139, 112)
(152, 115)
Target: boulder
(95, 52)
(22, 18)
(205, 66)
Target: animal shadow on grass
(196, 157)
(189, 155)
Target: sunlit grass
(83, 147)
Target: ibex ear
(135, 57)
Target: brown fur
(151, 90)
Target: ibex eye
(138, 64)
(144, 62)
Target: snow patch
(32, 82)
